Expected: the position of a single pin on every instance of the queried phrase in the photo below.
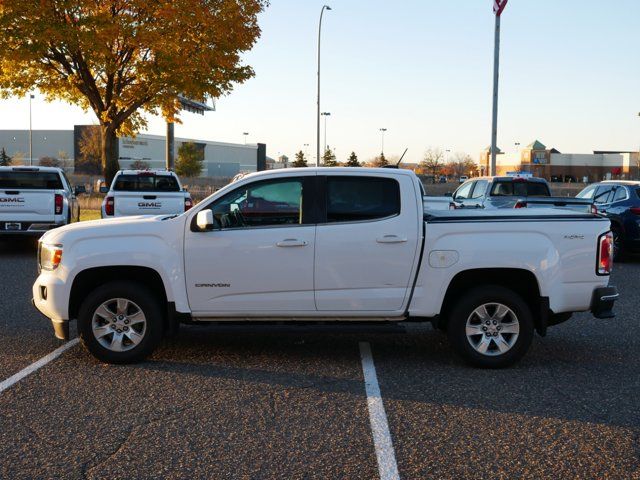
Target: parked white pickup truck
(34, 200)
(326, 244)
(145, 192)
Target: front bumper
(49, 294)
(602, 302)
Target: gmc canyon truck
(337, 245)
(145, 192)
(34, 200)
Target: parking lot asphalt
(291, 403)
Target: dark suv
(620, 202)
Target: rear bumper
(34, 229)
(602, 302)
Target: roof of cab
(27, 168)
(507, 178)
(155, 171)
(334, 170)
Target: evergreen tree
(352, 161)
(380, 161)
(190, 159)
(301, 161)
(329, 158)
(5, 160)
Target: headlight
(49, 255)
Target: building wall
(221, 159)
(46, 143)
(594, 166)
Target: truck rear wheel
(120, 322)
(491, 327)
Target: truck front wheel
(491, 327)
(120, 322)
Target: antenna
(405, 152)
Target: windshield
(30, 180)
(146, 183)
(520, 189)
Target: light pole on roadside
(31, 97)
(325, 115)
(382, 130)
(638, 159)
(318, 112)
(498, 7)
(245, 135)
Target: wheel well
(88, 280)
(523, 282)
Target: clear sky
(570, 77)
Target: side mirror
(204, 220)
(104, 189)
(79, 190)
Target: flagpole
(494, 120)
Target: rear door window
(30, 180)
(351, 199)
(146, 183)
(620, 195)
(603, 194)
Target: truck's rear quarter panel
(560, 252)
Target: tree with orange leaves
(121, 58)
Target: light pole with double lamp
(325, 115)
(324, 7)
(382, 130)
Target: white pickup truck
(326, 244)
(145, 192)
(34, 200)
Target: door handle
(291, 242)
(391, 239)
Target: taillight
(452, 206)
(635, 210)
(58, 204)
(594, 209)
(520, 204)
(109, 205)
(188, 203)
(605, 254)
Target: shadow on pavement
(558, 378)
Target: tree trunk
(110, 154)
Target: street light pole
(318, 112)
(245, 134)
(325, 115)
(382, 130)
(31, 97)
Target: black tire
(141, 299)
(463, 310)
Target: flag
(498, 6)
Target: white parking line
(37, 365)
(387, 466)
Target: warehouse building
(220, 159)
